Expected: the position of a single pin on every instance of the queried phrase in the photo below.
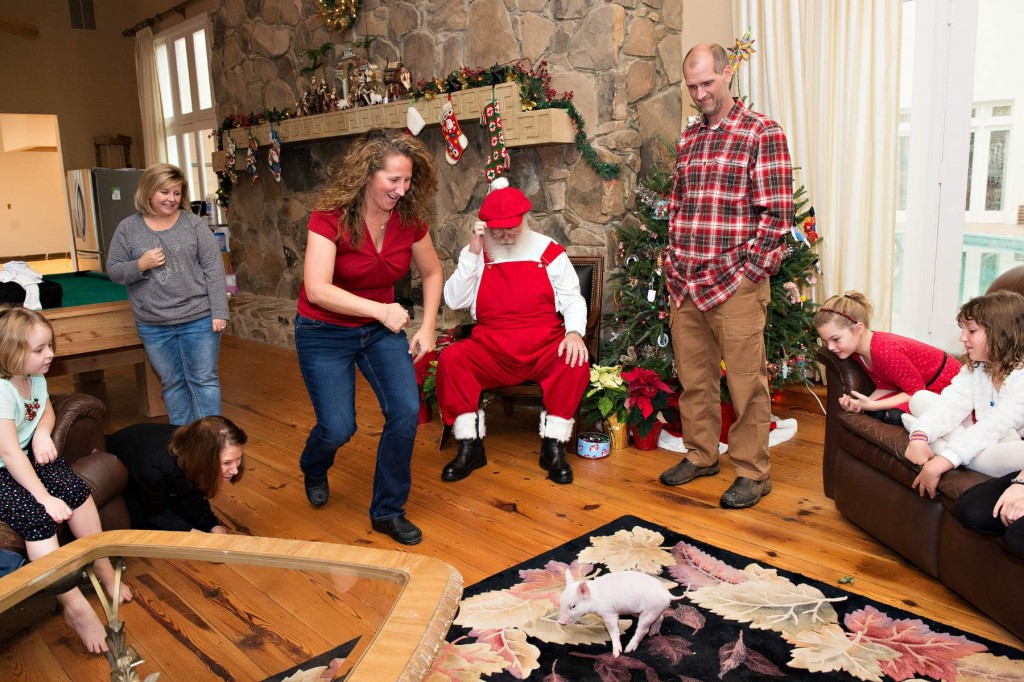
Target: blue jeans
(328, 355)
(185, 358)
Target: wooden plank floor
(508, 511)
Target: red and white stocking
(454, 141)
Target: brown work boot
(686, 471)
(745, 492)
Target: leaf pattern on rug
(499, 609)
(768, 602)
(922, 651)
(509, 643)
(587, 630)
(695, 569)
(989, 667)
(687, 615)
(670, 647)
(736, 654)
(828, 648)
(510, 629)
(465, 662)
(548, 583)
(639, 549)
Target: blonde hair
(157, 177)
(16, 324)
(346, 191)
(197, 447)
(999, 313)
(844, 311)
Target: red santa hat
(504, 206)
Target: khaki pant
(733, 331)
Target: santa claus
(525, 297)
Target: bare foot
(105, 572)
(78, 614)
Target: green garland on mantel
(536, 93)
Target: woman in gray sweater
(171, 263)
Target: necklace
(32, 404)
(384, 224)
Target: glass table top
(234, 607)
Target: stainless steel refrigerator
(100, 198)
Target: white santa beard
(517, 250)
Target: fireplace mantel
(522, 128)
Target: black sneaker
(399, 528)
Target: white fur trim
(465, 426)
(556, 427)
(414, 121)
(499, 183)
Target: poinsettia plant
(648, 398)
(426, 369)
(606, 394)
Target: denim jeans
(185, 358)
(328, 355)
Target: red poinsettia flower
(422, 367)
(644, 385)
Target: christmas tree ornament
(414, 121)
(498, 160)
(274, 155)
(250, 157)
(454, 141)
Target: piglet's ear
(584, 590)
(568, 577)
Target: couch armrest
(852, 377)
(105, 474)
(79, 425)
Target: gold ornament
(339, 14)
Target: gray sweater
(188, 286)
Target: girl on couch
(38, 490)
(898, 366)
(978, 420)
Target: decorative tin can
(593, 445)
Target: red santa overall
(519, 297)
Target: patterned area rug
(736, 620)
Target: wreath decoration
(339, 14)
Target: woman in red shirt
(365, 231)
(898, 366)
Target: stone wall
(622, 60)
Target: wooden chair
(590, 270)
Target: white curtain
(154, 135)
(828, 72)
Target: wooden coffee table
(237, 607)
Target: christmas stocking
(274, 155)
(250, 158)
(454, 141)
(498, 160)
(414, 121)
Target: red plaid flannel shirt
(730, 207)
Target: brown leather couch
(78, 435)
(867, 476)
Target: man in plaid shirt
(729, 211)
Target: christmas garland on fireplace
(536, 93)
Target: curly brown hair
(1000, 314)
(346, 191)
(197, 447)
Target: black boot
(552, 458)
(469, 458)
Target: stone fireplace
(622, 61)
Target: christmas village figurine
(319, 99)
(397, 81)
(347, 73)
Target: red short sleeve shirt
(365, 272)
